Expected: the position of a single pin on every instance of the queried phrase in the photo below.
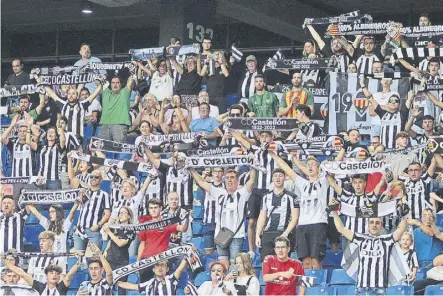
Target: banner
(110, 66)
(435, 144)
(383, 28)
(47, 197)
(348, 106)
(188, 100)
(189, 49)
(389, 152)
(70, 79)
(147, 225)
(416, 53)
(54, 70)
(36, 254)
(350, 17)
(220, 150)
(192, 257)
(19, 90)
(261, 124)
(352, 167)
(222, 161)
(297, 64)
(15, 180)
(374, 210)
(422, 31)
(147, 53)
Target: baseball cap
(251, 58)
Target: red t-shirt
(282, 286)
(156, 241)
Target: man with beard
(85, 53)
(364, 59)
(428, 131)
(263, 103)
(340, 58)
(298, 95)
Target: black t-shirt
(119, 256)
(349, 147)
(190, 83)
(49, 111)
(235, 74)
(215, 86)
(42, 289)
(21, 79)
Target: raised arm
(177, 66)
(239, 137)
(128, 286)
(18, 271)
(434, 99)
(130, 83)
(152, 159)
(316, 36)
(143, 68)
(108, 270)
(119, 242)
(181, 268)
(199, 180)
(61, 134)
(146, 184)
(75, 183)
(68, 277)
(334, 185)
(32, 209)
(97, 90)
(73, 209)
(252, 177)
(284, 166)
(341, 228)
(401, 228)
(5, 135)
(408, 127)
(53, 95)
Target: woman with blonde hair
(397, 189)
(243, 276)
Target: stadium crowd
(278, 226)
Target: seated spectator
(171, 106)
(203, 97)
(218, 285)
(433, 277)
(428, 238)
(176, 124)
(243, 276)
(205, 124)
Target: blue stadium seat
(332, 258)
(197, 212)
(71, 262)
(320, 275)
(340, 277)
(201, 278)
(439, 220)
(261, 280)
(105, 185)
(257, 261)
(132, 259)
(197, 227)
(133, 278)
(32, 219)
(68, 206)
(421, 273)
(5, 120)
(78, 278)
(180, 291)
(31, 233)
(400, 290)
(294, 255)
(344, 289)
(131, 140)
(434, 290)
(198, 242)
(130, 292)
(321, 291)
(72, 292)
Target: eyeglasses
(235, 115)
(95, 177)
(216, 270)
(52, 212)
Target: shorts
(254, 203)
(311, 241)
(231, 252)
(267, 243)
(332, 232)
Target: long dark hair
(57, 225)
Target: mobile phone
(389, 178)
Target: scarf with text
(18, 180)
(54, 70)
(373, 210)
(353, 166)
(350, 17)
(120, 164)
(435, 144)
(148, 225)
(18, 290)
(37, 254)
(14, 132)
(158, 52)
(261, 124)
(110, 67)
(297, 64)
(220, 150)
(187, 250)
(47, 197)
(223, 161)
(325, 145)
(188, 101)
(389, 152)
(70, 79)
(178, 50)
(19, 90)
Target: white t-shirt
(60, 239)
(313, 200)
(208, 289)
(382, 99)
(214, 112)
(161, 87)
(232, 211)
(94, 107)
(254, 285)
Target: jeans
(133, 247)
(53, 184)
(370, 291)
(234, 248)
(113, 132)
(64, 179)
(92, 237)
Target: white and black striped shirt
(22, 158)
(51, 162)
(418, 194)
(184, 217)
(75, 113)
(209, 205)
(281, 208)
(248, 85)
(264, 179)
(391, 124)
(155, 287)
(84, 178)
(11, 230)
(179, 181)
(341, 62)
(116, 183)
(357, 224)
(308, 130)
(374, 254)
(43, 289)
(91, 211)
(37, 265)
(423, 153)
(364, 63)
(100, 288)
(411, 258)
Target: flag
(278, 56)
(305, 281)
(192, 288)
(348, 106)
(237, 54)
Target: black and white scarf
(209, 151)
(178, 50)
(151, 225)
(54, 70)
(223, 161)
(48, 197)
(350, 17)
(416, 53)
(261, 124)
(297, 64)
(18, 90)
(373, 210)
(353, 166)
(110, 67)
(61, 79)
(236, 53)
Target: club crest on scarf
(324, 110)
(359, 153)
(360, 103)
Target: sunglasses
(394, 101)
(95, 177)
(216, 270)
(235, 115)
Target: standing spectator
(85, 53)
(96, 266)
(174, 210)
(215, 79)
(11, 225)
(205, 124)
(230, 210)
(246, 87)
(298, 95)
(263, 103)
(406, 244)
(19, 77)
(366, 57)
(190, 81)
(306, 127)
(280, 272)
(218, 285)
(161, 79)
(38, 264)
(24, 106)
(312, 223)
(115, 122)
(117, 250)
(94, 212)
(278, 215)
(372, 272)
(153, 242)
(231, 85)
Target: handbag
(225, 235)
